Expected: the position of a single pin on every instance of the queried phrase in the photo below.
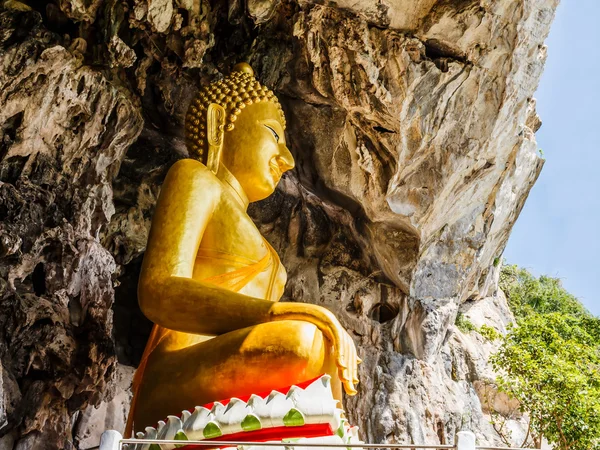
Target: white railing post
(110, 440)
(465, 440)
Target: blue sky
(557, 233)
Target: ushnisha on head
(233, 93)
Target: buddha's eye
(274, 132)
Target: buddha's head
(239, 123)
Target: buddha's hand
(344, 350)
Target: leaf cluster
(550, 361)
(489, 333)
(464, 324)
(530, 295)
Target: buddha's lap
(300, 345)
(255, 359)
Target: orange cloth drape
(232, 281)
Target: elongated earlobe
(215, 127)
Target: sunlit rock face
(412, 124)
(425, 136)
(417, 145)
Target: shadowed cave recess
(412, 124)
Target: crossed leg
(251, 360)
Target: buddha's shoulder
(193, 171)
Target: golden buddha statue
(210, 281)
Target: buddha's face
(255, 151)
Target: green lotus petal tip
(212, 430)
(251, 423)
(180, 436)
(293, 418)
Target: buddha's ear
(215, 128)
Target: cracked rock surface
(412, 124)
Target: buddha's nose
(285, 160)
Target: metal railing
(485, 447)
(282, 444)
(465, 440)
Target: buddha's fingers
(343, 373)
(349, 388)
(344, 366)
(340, 349)
(355, 379)
(348, 376)
(346, 381)
(356, 363)
(337, 336)
(340, 354)
(353, 361)
(347, 357)
(347, 352)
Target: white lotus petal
(149, 434)
(258, 405)
(320, 388)
(169, 431)
(195, 424)
(316, 401)
(138, 435)
(337, 419)
(294, 393)
(279, 405)
(217, 408)
(230, 418)
(353, 432)
(185, 415)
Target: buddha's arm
(167, 293)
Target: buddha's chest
(231, 242)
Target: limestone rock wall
(412, 124)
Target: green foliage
(490, 333)
(552, 366)
(463, 323)
(550, 361)
(528, 295)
